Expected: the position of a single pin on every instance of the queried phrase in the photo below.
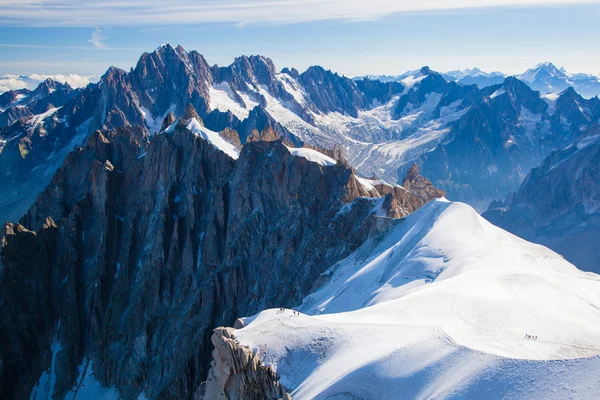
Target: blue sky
(352, 37)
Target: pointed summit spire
(190, 113)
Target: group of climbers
(295, 313)
(530, 337)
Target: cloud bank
(160, 12)
(13, 82)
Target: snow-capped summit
(547, 78)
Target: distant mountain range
(461, 136)
(545, 78)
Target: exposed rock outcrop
(420, 186)
(237, 373)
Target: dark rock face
(156, 243)
(575, 113)
(330, 92)
(377, 91)
(558, 204)
(29, 307)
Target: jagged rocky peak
(293, 72)
(231, 136)
(420, 185)
(330, 92)
(379, 92)
(425, 70)
(190, 113)
(167, 121)
(255, 68)
(268, 135)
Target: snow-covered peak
(543, 70)
(163, 46)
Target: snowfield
(438, 307)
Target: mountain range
(165, 221)
(545, 78)
(381, 127)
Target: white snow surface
(439, 308)
(312, 155)
(212, 137)
(411, 80)
(222, 98)
(154, 123)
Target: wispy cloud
(97, 39)
(177, 12)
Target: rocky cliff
(141, 246)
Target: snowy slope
(438, 307)
(212, 137)
(313, 156)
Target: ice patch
(497, 93)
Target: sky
(352, 37)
